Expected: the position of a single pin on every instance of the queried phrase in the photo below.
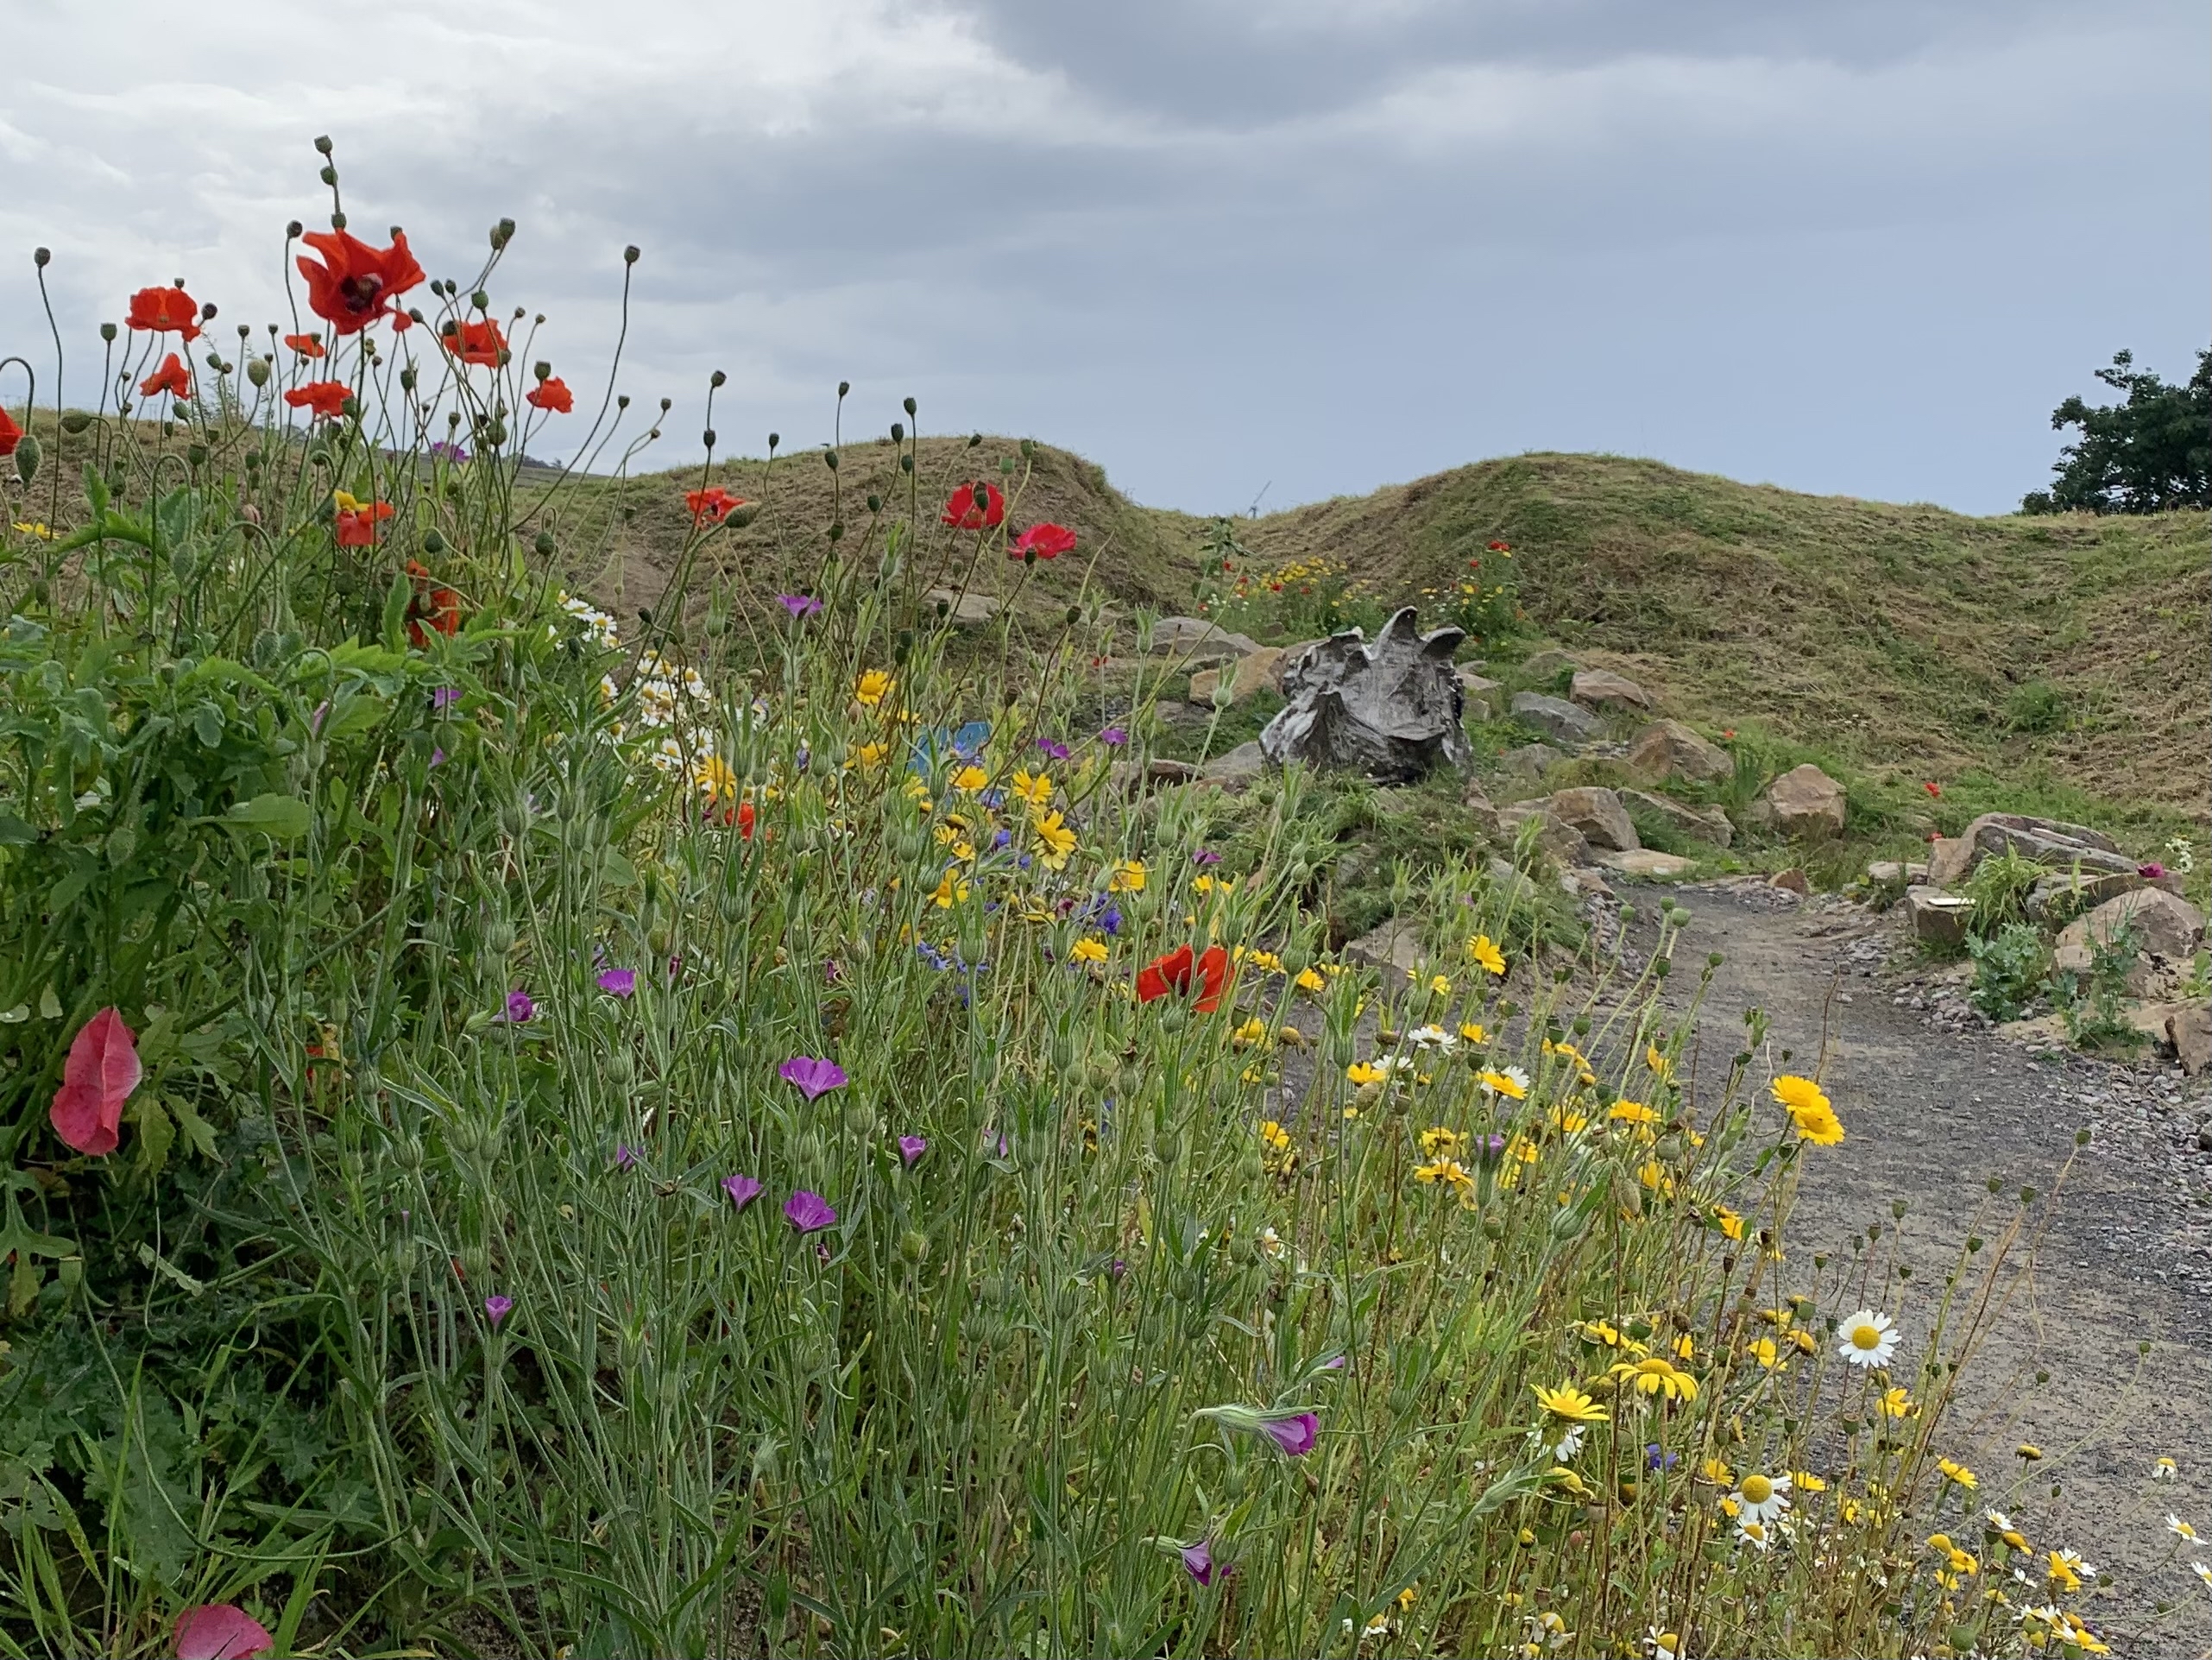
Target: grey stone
(1949, 857)
(1668, 750)
(1698, 823)
(1394, 946)
(1257, 671)
(1475, 685)
(1517, 888)
(2069, 892)
(1479, 808)
(969, 610)
(1598, 815)
(1532, 759)
(2046, 847)
(1643, 862)
(1389, 707)
(1938, 919)
(1804, 805)
(2190, 1030)
(1558, 838)
(2167, 931)
(1556, 718)
(1548, 665)
(1604, 688)
(1193, 640)
(1883, 872)
(1235, 771)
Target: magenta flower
(911, 1147)
(220, 1630)
(519, 1008)
(496, 1309)
(1054, 749)
(1199, 1559)
(437, 756)
(626, 1157)
(799, 605)
(618, 982)
(809, 1212)
(1206, 856)
(440, 697)
(743, 1189)
(812, 1078)
(1113, 737)
(1116, 1268)
(1295, 1433)
(2151, 872)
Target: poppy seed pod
(41, 257)
(707, 438)
(480, 300)
(337, 221)
(107, 332)
(775, 438)
(875, 502)
(630, 255)
(292, 230)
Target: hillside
(2067, 651)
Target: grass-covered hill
(2065, 654)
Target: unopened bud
(909, 408)
(775, 438)
(829, 459)
(323, 145)
(291, 230)
(107, 332)
(75, 421)
(502, 233)
(330, 175)
(337, 221)
(843, 387)
(707, 438)
(41, 257)
(897, 431)
(630, 255)
(27, 458)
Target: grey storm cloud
(1310, 247)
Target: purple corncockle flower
(1054, 749)
(441, 697)
(315, 720)
(618, 982)
(496, 1309)
(810, 1077)
(1199, 1559)
(626, 1157)
(809, 1212)
(799, 605)
(1489, 1149)
(1335, 1363)
(1113, 737)
(1117, 1269)
(1295, 1433)
(911, 1147)
(2151, 872)
(995, 1144)
(832, 971)
(1657, 1458)
(1206, 856)
(437, 756)
(519, 1008)
(743, 1189)
(444, 450)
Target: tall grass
(1169, 1307)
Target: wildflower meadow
(760, 1127)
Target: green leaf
(354, 716)
(14, 832)
(207, 725)
(356, 658)
(617, 871)
(287, 817)
(96, 490)
(395, 612)
(197, 1130)
(156, 1134)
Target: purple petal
(519, 1008)
(1294, 1434)
(809, 1212)
(626, 1157)
(799, 605)
(911, 1147)
(497, 1308)
(1199, 1559)
(1206, 856)
(441, 696)
(437, 756)
(811, 1076)
(1113, 737)
(1052, 748)
(618, 982)
(743, 1189)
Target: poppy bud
(909, 407)
(337, 221)
(1074, 615)
(319, 457)
(775, 438)
(623, 401)
(897, 431)
(27, 458)
(914, 1246)
(829, 459)
(432, 541)
(1028, 448)
(196, 455)
(330, 175)
(718, 378)
(975, 440)
(323, 145)
(875, 502)
(630, 255)
(545, 544)
(107, 332)
(494, 434)
(739, 520)
(291, 230)
(707, 438)
(502, 233)
(837, 530)
(906, 463)
(480, 300)
(75, 421)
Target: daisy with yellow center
(1030, 789)
(1631, 1112)
(1511, 1082)
(1254, 1030)
(1449, 1172)
(1658, 1063)
(1657, 1377)
(1568, 1402)
(1764, 1351)
(2001, 1525)
(1361, 1072)
(1091, 950)
(1956, 1473)
(1897, 1404)
(1805, 1481)
(1810, 1112)
(2180, 1528)
(1473, 1031)
(1730, 1223)
(1760, 1497)
(873, 688)
(970, 778)
(1128, 876)
(1310, 982)
(1866, 1339)
(1437, 1142)
(1054, 842)
(2067, 1570)
(1486, 955)
(1273, 1136)
(1566, 1120)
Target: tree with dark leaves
(2149, 454)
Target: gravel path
(2124, 1260)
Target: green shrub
(2009, 967)
(2036, 706)
(2093, 1004)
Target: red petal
(217, 1631)
(99, 1076)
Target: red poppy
(326, 398)
(173, 377)
(356, 284)
(11, 435)
(713, 505)
(165, 311)
(551, 394)
(356, 525)
(1177, 971)
(1500, 547)
(102, 1070)
(1045, 541)
(976, 506)
(306, 346)
(434, 607)
(1932, 788)
(479, 342)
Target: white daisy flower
(1762, 1498)
(1753, 1534)
(2163, 1470)
(2202, 1571)
(1432, 1037)
(2180, 1528)
(1664, 1646)
(1866, 1339)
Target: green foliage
(2151, 453)
(2036, 706)
(1999, 888)
(2093, 1004)
(2009, 969)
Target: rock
(1475, 685)
(1598, 815)
(1235, 771)
(1518, 889)
(1548, 665)
(969, 610)
(1560, 840)
(1195, 641)
(1477, 711)
(1804, 805)
(1643, 862)
(1395, 946)
(2190, 1030)
(1883, 872)
(2051, 841)
(1792, 880)
(1604, 688)
(1698, 823)
(1669, 749)
(2070, 894)
(2167, 930)
(1477, 806)
(1938, 919)
(1252, 674)
(1556, 718)
(1388, 708)
(2155, 1021)
(1993, 824)
(1916, 875)
(1949, 857)
(1534, 760)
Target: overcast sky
(1219, 246)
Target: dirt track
(2121, 1262)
